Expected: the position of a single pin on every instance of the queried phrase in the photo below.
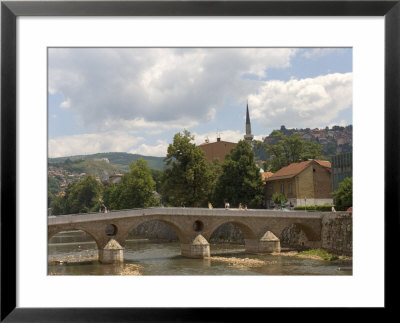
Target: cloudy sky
(135, 99)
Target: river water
(75, 253)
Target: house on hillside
(305, 183)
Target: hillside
(120, 160)
(334, 140)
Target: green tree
(215, 172)
(344, 194)
(80, 197)
(311, 150)
(53, 185)
(157, 177)
(136, 189)
(84, 196)
(240, 181)
(290, 149)
(187, 177)
(58, 205)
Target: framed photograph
(87, 78)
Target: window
(290, 188)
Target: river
(75, 253)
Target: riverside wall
(336, 234)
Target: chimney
(218, 139)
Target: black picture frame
(10, 10)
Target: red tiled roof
(296, 168)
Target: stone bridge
(194, 226)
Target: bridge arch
(247, 231)
(298, 234)
(76, 228)
(179, 232)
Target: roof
(296, 168)
(216, 142)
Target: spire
(248, 136)
(248, 125)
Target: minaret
(248, 136)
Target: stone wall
(336, 234)
(227, 233)
(155, 230)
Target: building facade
(217, 150)
(305, 183)
(342, 167)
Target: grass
(320, 253)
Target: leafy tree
(344, 194)
(157, 177)
(53, 185)
(279, 198)
(215, 172)
(240, 181)
(187, 177)
(58, 205)
(84, 196)
(291, 149)
(311, 150)
(80, 197)
(136, 189)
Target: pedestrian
(210, 205)
(245, 207)
(227, 204)
(240, 206)
(333, 209)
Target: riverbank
(317, 254)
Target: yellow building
(305, 183)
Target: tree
(157, 177)
(136, 189)
(311, 150)
(58, 205)
(80, 197)
(291, 149)
(344, 194)
(84, 196)
(240, 181)
(187, 177)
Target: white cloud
(159, 150)
(302, 103)
(107, 86)
(225, 135)
(66, 104)
(115, 141)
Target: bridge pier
(269, 243)
(112, 253)
(197, 248)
